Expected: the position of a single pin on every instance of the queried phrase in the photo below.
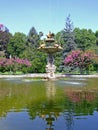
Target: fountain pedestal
(50, 67)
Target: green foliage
(34, 38)
(59, 39)
(38, 59)
(58, 60)
(85, 39)
(96, 46)
(16, 44)
(38, 62)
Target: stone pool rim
(39, 75)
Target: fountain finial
(50, 35)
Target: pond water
(66, 104)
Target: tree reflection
(79, 102)
(68, 116)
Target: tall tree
(4, 39)
(37, 58)
(68, 37)
(34, 37)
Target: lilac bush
(13, 63)
(80, 59)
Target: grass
(11, 73)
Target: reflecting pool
(66, 104)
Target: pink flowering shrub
(13, 63)
(80, 59)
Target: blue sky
(48, 15)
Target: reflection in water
(47, 105)
(50, 93)
(80, 102)
(50, 89)
(68, 116)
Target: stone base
(50, 70)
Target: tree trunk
(81, 70)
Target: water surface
(66, 104)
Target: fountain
(50, 47)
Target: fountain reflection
(50, 89)
(51, 115)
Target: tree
(59, 38)
(96, 46)
(85, 39)
(68, 37)
(80, 59)
(31, 52)
(68, 43)
(96, 34)
(34, 37)
(58, 56)
(16, 45)
(4, 39)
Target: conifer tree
(68, 37)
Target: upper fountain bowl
(49, 45)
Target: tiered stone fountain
(50, 47)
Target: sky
(48, 15)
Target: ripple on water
(73, 83)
